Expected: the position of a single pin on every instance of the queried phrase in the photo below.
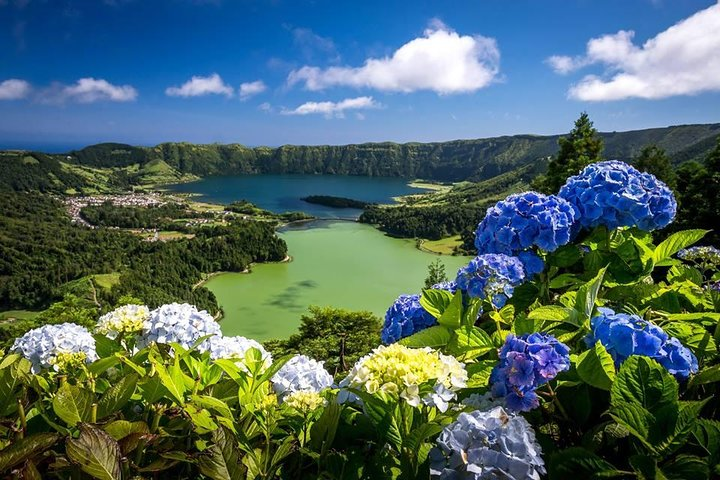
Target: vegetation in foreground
(573, 345)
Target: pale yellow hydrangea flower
(305, 401)
(400, 371)
(67, 361)
(127, 319)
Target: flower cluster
(305, 401)
(235, 348)
(301, 374)
(179, 323)
(624, 335)
(408, 373)
(60, 347)
(450, 286)
(524, 220)
(491, 276)
(527, 362)
(487, 444)
(706, 257)
(614, 194)
(125, 320)
(405, 317)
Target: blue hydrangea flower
(235, 348)
(491, 444)
(405, 317)
(450, 286)
(527, 362)
(52, 346)
(179, 323)
(532, 263)
(705, 257)
(523, 221)
(491, 276)
(715, 286)
(624, 335)
(614, 194)
(301, 374)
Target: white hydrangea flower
(56, 346)
(128, 319)
(235, 348)
(301, 373)
(181, 323)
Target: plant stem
(23, 421)
(556, 401)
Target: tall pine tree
(581, 148)
(653, 159)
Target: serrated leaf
(685, 467)
(707, 375)
(580, 463)
(470, 342)
(9, 382)
(596, 367)
(26, 448)
(479, 373)
(435, 301)
(676, 242)
(452, 315)
(636, 419)
(587, 294)
(322, 432)
(418, 435)
(555, 313)
(696, 337)
(73, 404)
(643, 381)
(115, 397)
(175, 389)
(96, 452)
(435, 337)
(222, 461)
(120, 429)
(212, 403)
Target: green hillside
(443, 161)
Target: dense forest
(42, 251)
(161, 217)
(335, 202)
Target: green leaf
(643, 381)
(636, 419)
(101, 365)
(212, 403)
(96, 452)
(435, 301)
(580, 463)
(707, 375)
(479, 373)
(73, 404)
(419, 435)
(685, 467)
(383, 415)
(174, 386)
(676, 242)
(696, 337)
(564, 280)
(707, 434)
(646, 468)
(564, 256)
(115, 397)
(152, 389)
(106, 347)
(555, 313)
(322, 432)
(25, 448)
(596, 367)
(587, 294)
(470, 342)
(435, 337)
(452, 315)
(120, 429)
(9, 382)
(673, 432)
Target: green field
(18, 314)
(444, 246)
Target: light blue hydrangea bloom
(491, 444)
(301, 374)
(705, 257)
(491, 276)
(41, 346)
(234, 348)
(614, 194)
(523, 221)
(450, 286)
(405, 317)
(180, 323)
(624, 335)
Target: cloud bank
(88, 90)
(199, 86)
(334, 109)
(250, 89)
(14, 89)
(682, 60)
(441, 61)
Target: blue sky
(330, 72)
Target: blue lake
(283, 193)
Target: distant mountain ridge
(120, 165)
(455, 160)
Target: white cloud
(14, 89)
(249, 89)
(198, 86)
(88, 90)
(333, 109)
(441, 61)
(682, 60)
(266, 107)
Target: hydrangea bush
(471, 372)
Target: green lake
(341, 264)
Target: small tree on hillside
(653, 159)
(436, 273)
(581, 148)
